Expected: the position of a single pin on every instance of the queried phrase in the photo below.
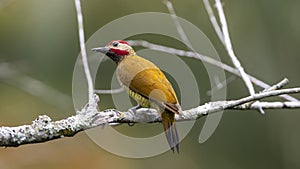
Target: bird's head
(117, 50)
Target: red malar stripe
(118, 52)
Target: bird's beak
(101, 49)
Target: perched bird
(146, 84)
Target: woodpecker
(146, 84)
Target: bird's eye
(115, 44)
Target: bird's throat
(114, 57)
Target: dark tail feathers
(170, 130)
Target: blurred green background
(39, 40)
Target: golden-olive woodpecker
(146, 84)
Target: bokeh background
(39, 41)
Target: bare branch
(269, 105)
(225, 39)
(229, 48)
(213, 20)
(83, 50)
(204, 59)
(277, 86)
(44, 129)
(213, 107)
(112, 91)
(227, 43)
(177, 24)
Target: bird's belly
(142, 101)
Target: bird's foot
(134, 111)
(134, 108)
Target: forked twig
(205, 59)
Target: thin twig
(112, 91)
(277, 86)
(44, 129)
(213, 107)
(214, 21)
(204, 59)
(268, 105)
(83, 50)
(262, 95)
(227, 42)
(229, 48)
(178, 26)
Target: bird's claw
(134, 108)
